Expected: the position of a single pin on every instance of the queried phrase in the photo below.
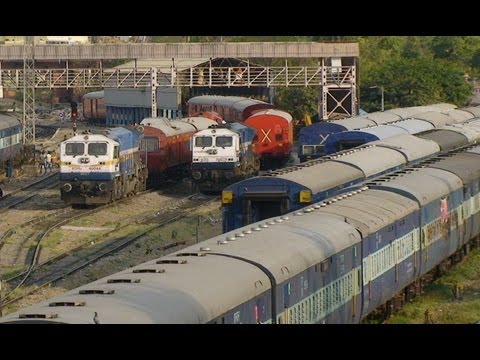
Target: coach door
(261, 205)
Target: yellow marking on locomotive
(305, 196)
(227, 197)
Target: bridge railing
(249, 76)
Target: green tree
(417, 81)
(298, 101)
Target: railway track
(24, 194)
(38, 276)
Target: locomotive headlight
(67, 187)
(197, 175)
(102, 187)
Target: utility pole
(154, 92)
(1, 309)
(29, 116)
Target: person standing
(42, 160)
(48, 162)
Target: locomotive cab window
(74, 149)
(203, 141)
(224, 141)
(97, 149)
(116, 152)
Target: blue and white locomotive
(100, 168)
(223, 155)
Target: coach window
(74, 149)
(97, 149)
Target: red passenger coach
(94, 109)
(166, 146)
(274, 136)
(230, 108)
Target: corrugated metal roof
(465, 165)
(441, 106)
(413, 126)
(371, 210)
(318, 176)
(185, 50)
(94, 95)
(475, 110)
(374, 161)
(383, 117)
(472, 132)
(436, 118)
(412, 147)
(274, 112)
(7, 121)
(383, 131)
(425, 184)
(356, 122)
(163, 65)
(460, 115)
(409, 112)
(446, 138)
(167, 126)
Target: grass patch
(11, 272)
(440, 301)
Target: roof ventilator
(145, 271)
(172, 261)
(192, 254)
(122, 281)
(67, 303)
(38, 316)
(96, 292)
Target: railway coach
(295, 187)
(166, 146)
(336, 261)
(311, 141)
(10, 140)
